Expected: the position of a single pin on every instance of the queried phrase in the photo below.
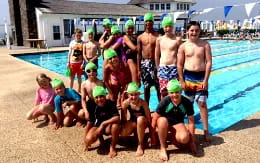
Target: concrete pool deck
(22, 141)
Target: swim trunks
(193, 81)
(75, 68)
(149, 77)
(165, 74)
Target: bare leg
(162, 124)
(141, 125)
(72, 81)
(147, 95)
(79, 83)
(204, 117)
(133, 70)
(115, 134)
(91, 137)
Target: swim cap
(167, 21)
(115, 30)
(68, 72)
(132, 87)
(148, 17)
(99, 90)
(55, 82)
(129, 23)
(174, 86)
(90, 65)
(90, 31)
(109, 53)
(106, 22)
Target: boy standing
(166, 55)
(194, 67)
(91, 49)
(146, 67)
(75, 58)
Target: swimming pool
(233, 84)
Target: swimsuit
(165, 74)
(193, 81)
(175, 114)
(149, 77)
(133, 54)
(134, 114)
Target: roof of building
(89, 8)
(136, 2)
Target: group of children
(163, 62)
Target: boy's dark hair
(191, 23)
(77, 30)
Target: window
(162, 7)
(157, 6)
(184, 6)
(181, 6)
(151, 7)
(56, 32)
(188, 6)
(178, 6)
(168, 6)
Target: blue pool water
(233, 85)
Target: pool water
(233, 84)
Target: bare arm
(85, 53)
(108, 43)
(102, 39)
(139, 54)
(59, 121)
(157, 53)
(124, 111)
(114, 119)
(147, 111)
(98, 50)
(106, 74)
(180, 64)
(208, 56)
(84, 99)
(129, 43)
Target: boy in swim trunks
(166, 55)
(91, 50)
(86, 93)
(170, 115)
(146, 67)
(194, 67)
(140, 116)
(75, 58)
(105, 120)
(67, 104)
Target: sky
(201, 4)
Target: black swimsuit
(134, 114)
(132, 55)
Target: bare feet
(163, 155)
(46, 119)
(112, 152)
(139, 151)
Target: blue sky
(201, 4)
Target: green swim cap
(90, 31)
(129, 23)
(55, 82)
(132, 87)
(174, 86)
(148, 17)
(99, 90)
(109, 53)
(106, 22)
(167, 21)
(90, 65)
(115, 30)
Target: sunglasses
(91, 70)
(112, 57)
(100, 96)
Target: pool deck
(22, 141)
